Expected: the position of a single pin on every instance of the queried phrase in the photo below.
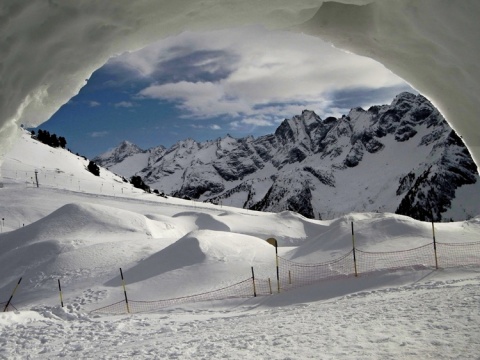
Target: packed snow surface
(436, 317)
(81, 234)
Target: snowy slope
(167, 247)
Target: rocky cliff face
(401, 157)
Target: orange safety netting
(454, 255)
(238, 290)
(420, 257)
(292, 274)
(9, 308)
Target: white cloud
(94, 103)
(215, 127)
(124, 104)
(200, 99)
(257, 122)
(272, 73)
(96, 134)
(248, 124)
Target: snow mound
(81, 221)
(287, 227)
(202, 249)
(76, 241)
(204, 221)
(373, 232)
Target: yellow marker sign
(272, 241)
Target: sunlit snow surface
(81, 229)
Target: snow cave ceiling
(49, 47)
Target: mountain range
(402, 158)
(63, 225)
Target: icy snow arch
(48, 48)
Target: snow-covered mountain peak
(126, 147)
(113, 156)
(310, 117)
(398, 158)
(227, 143)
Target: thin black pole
(254, 287)
(60, 290)
(433, 235)
(11, 296)
(125, 291)
(278, 271)
(354, 255)
(434, 246)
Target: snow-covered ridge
(401, 158)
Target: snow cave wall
(49, 48)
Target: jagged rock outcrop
(401, 157)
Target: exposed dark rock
(307, 161)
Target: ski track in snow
(437, 319)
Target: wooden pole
(274, 242)
(11, 296)
(354, 255)
(60, 290)
(253, 280)
(125, 291)
(434, 246)
(278, 270)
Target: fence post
(434, 246)
(289, 277)
(60, 290)
(270, 286)
(354, 255)
(253, 280)
(125, 291)
(274, 242)
(11, 296)
(36, 177)
(278, 272)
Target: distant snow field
(80, 229)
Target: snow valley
(402, 158)
(80, 229)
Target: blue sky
(241, 82)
